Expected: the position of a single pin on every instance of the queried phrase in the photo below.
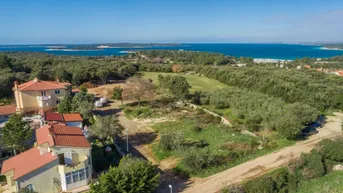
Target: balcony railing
(74, 167)
(43, 98)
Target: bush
(209, 119)
(139, 112)
(310, 166)
(197, 129)
(331, 149)
(195, 160)
(278, 181)
(171, 141)
(232, 189)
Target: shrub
(278, 181)
(232, 189)
(195, 143)
(171, 141)
(196, 128)
(310, 166)
(196, 160)
(331, 149)
(209, 119)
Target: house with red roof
(70, 119)
(60, 162)
(38, 95)
(6, 112)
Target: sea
(263, 51)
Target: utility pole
(127, 140)
(171, 188)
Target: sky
(174, 21)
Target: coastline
(327, 48)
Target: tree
(66, 105)
(178, 86)
(83, 103)
(5, 61)
(15, 133)
(118, 94)
(103, 73)
(138, 89)
(106, 127)
(133, 175)
(288, 126)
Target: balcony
(70, 168)
(43, 98)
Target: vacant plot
(200, 83)
(331, 183)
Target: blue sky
(90, 21)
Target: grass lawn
(200, 83)
(330, 183)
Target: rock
(338, 167)
(246, 132)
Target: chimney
(35, 80)
(57, 80)
(16, 85)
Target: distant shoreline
(330, 48)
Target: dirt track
(265, 163)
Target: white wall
(42, 179)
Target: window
(68, 178)
(76, 176)
(87, 173)
(68, 158)
(58, 101)
(57, 91)
(82, 174)
(43, 93)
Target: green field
(330, 183)
(215, 135)
(200, 83)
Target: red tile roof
(72, 117)
(75, 90)
(42, 85)
(26, 162)
(61, 135)
(50, 116)
(43, 135)
(7, 110)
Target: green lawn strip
(200, 83)
(330, 183)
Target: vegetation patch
(207, 147)
(196, 82)
(311, 172)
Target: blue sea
(272, 51)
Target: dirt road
(265, 163)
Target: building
(6, 112)
(38, 95)
(61, 161)
(70, 119)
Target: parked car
(308, 131)
(98, 104)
